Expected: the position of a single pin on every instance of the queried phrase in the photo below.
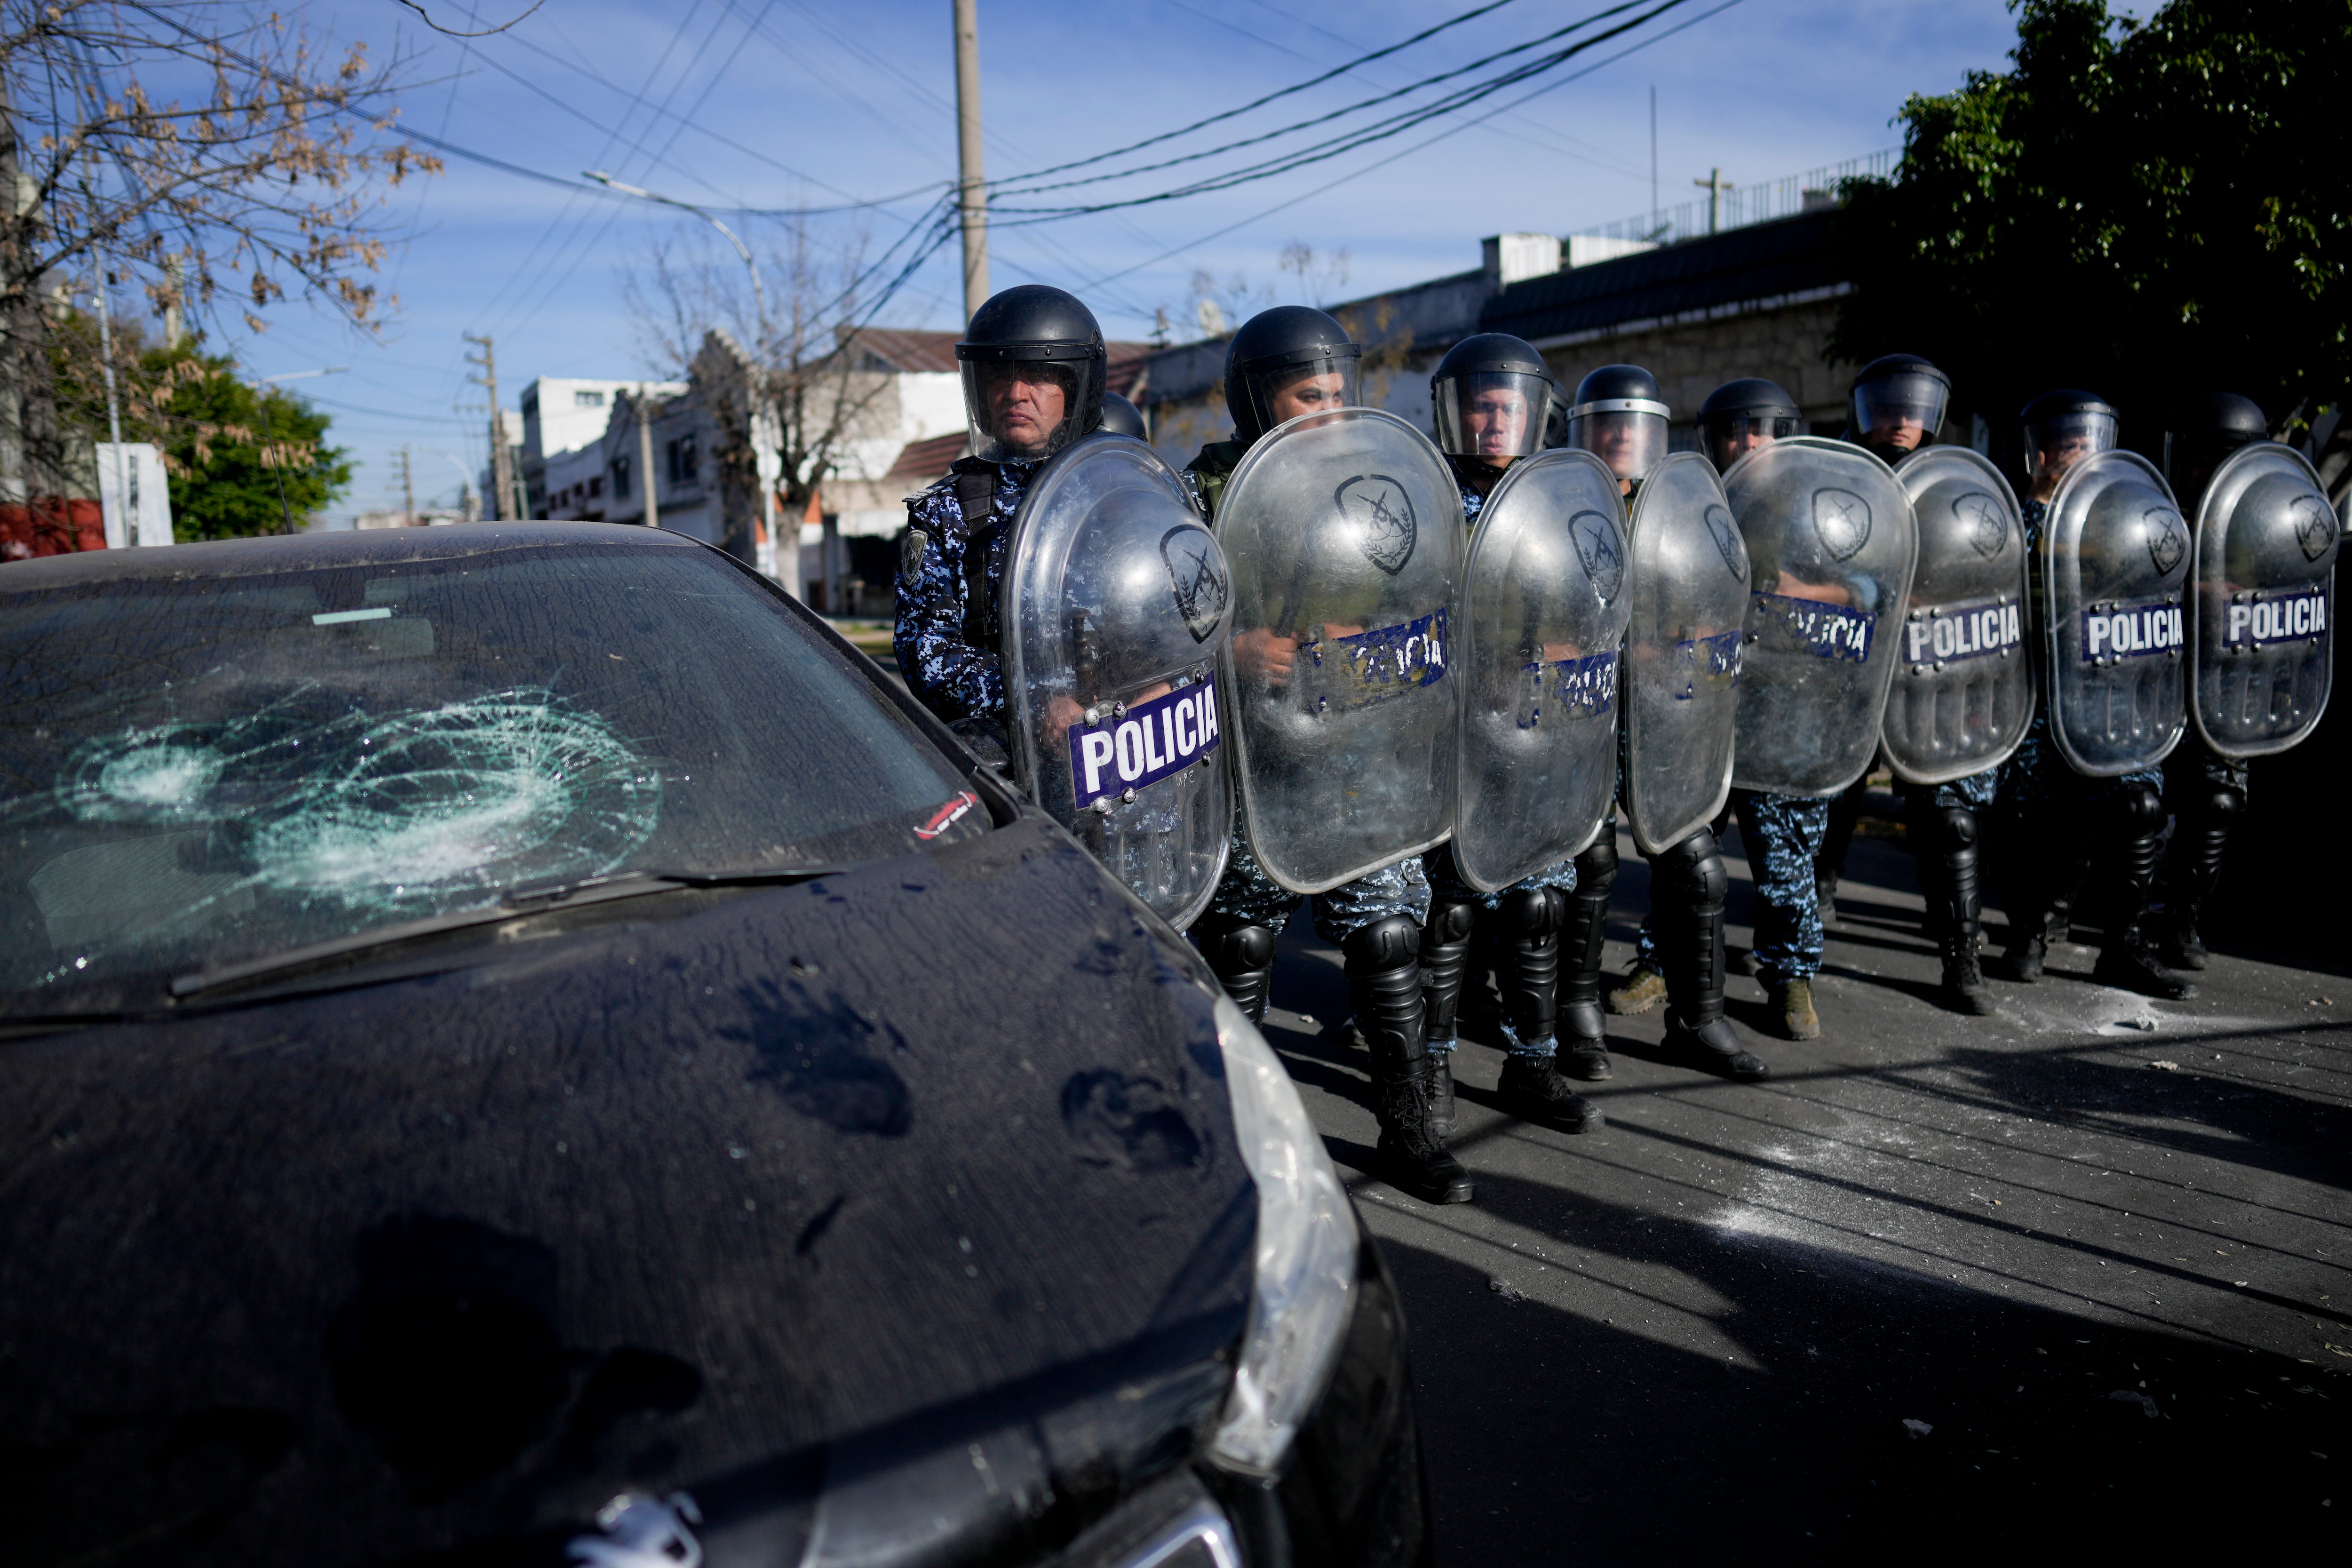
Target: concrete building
(563, 424)
(1744, 285)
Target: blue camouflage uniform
(1246, 892)
(949, 631)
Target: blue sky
(793, 103)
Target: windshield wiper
(515, 905)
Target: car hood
(887, 1210)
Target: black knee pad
(2139, 810)
(1596, 868)
(1955, 829)
(1233, 946)
(1693, 870)
(1450, 923)
(1389, 942)
(1527, 915)
(2224, 804)
(1558, 899)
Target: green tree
(2147, 209)
(242, 460)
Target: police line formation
(1415, 680)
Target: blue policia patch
(1825, 631)
(1714, 661)
(2131, 631)
(1573, 687)
(2283, 617)
(1384, 662)
(1152, 741)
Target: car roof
(298, 551)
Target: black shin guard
(1584, 932)
(1383, 964)
(1444, 954)
(1528, 960)
(1687, 911)
(1242, 954)
(2192, 866)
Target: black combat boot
(1583, 1040)
(2127, 959)
(1445, 953)
(1944, 840)
(1383, 965)
(1527, 927)
(2192, 866)
(1242, 953)
(1688, 912)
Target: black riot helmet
(2061, 428)
(1033, 363)
(1745, 413)
(1620, 415)
(1280, 365)
(1897, 404)
(1121, 417)
(1490, 398)
(2200, 433)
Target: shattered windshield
(198, 769)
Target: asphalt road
(2071, 1276)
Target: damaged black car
(522, 1048)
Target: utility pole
(407, 493)
(1715, 185)
(502, 478)
(645, 456)
(971, 186)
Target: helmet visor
(1631, 441)
(1731, 437)
(1491, 414)
(2056, 444)
(1022, 409)
(1910, 403)
(1279, 393)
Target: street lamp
(764, 420)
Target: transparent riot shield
(1686, 599)
(2262, 605)
(1832, 544)
(1116, 600)
(1345, 534)
(1538, 632)
(2115, 572)
(1964, 685)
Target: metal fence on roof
(1735, 206)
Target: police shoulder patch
(910, 552)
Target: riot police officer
(1282, 364)
(1033, 365)
(1620, 415)
(1121, 417)
(1783, 833)
(1895, 406)
(1489, 402)
(2055, 826)
(2204, 791)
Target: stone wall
(1691, 358)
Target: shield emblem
(1963, 693)
(1830, 547)
(1115, 603)
(1382, 508)
(2115, 631)
(2262, 601)
(2167, 541)
(1196, 572)
(1841, 518)
(1601, 546)
(1727, 542)
(1339, 667)
(1985, 522)
(1537, 630)
(2315, 527)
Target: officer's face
(1617, 441)
(1732, 439)
(1897, 430)
(1495, 420)
(2060, 453)
(1309, 395)
(1025, 405)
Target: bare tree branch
(485, 32)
